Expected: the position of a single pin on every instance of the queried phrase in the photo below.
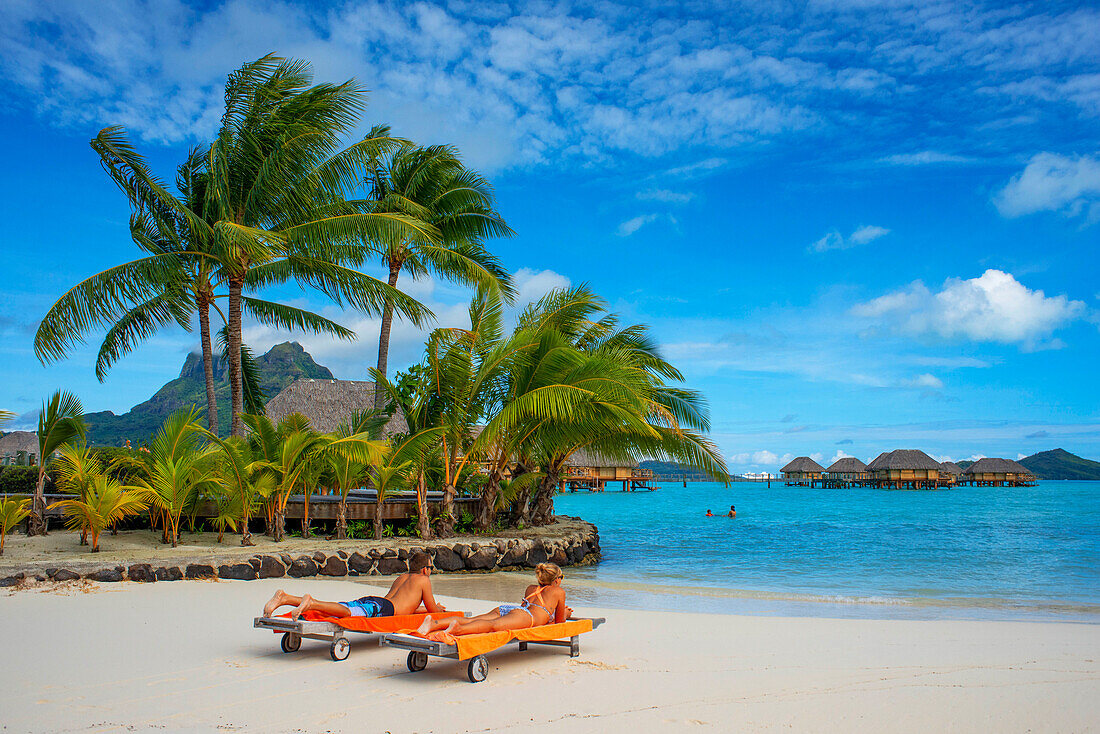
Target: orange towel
(470, 646)
(376, 624)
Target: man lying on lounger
(405, 596)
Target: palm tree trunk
(208, 367)
(380, 398)
(447, 515)
(342, 519)
(378, 517)
(246, 536)
(544, 497)
(36, 523)
(236, 385)
(486, 509)
(305, 515)
(278, 529)
(423, 521)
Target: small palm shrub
(104, 503)
(12, 512)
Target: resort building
(803, 472)
(998, 473)
(590, 470)
(328, 403)
(902, 468)
(19, 447)
(950, 472)
(847, 472)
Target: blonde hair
(547, 573)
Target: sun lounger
(315, 626)
(474, 647)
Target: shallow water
(970, 552)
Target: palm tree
(431, 185)
(105, 502)
(399, 460)
(12, 512)
(178, 468)
(60, 421)
(343, 472)
(263, 205)
(75, 469)
(241, 480)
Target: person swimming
(732, 512)
(543, 603)
(710, 514)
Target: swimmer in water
(732, 512)
(710, 514)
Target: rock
(402, 554)
(271, 568)
(360, 563)
(51, 571)
(304, 566)
(447, 560)
(516, 555)
(335, 566)
(287, 559)
(342, 554)
(461, 549)
(255, 563)
(170, 573)
(319, 557)
(40, 577)
(375, 553)
(575, 552)
(559, 557)
(535, 555)
(502, 545)
(482, 559)
(199, 571)
(237, 571)
(106, 575)
(389, 566)
(11, 581)
(141, 572)
(65, 574)
(390, 553)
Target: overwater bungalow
(911, 468)
(590, 470)
(847, 472)
(802, 472)
(950, 472)
(994, 472)
(328, 403)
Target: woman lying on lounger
(542, 604)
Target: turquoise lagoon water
(970, 552)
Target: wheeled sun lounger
(474, 647)
(314, 626)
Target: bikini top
(527, 603)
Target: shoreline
(154, 656)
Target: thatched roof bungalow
(600, 466)
(848, 469)
(905, 466)
(802, 470)
(328, 403)
(19, 446)
(950, 471)
(998, 472)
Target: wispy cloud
(1054, 183)
(924, 158)
(862, 235)
(666, 196)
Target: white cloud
(1054, 183)
(837, 457)
(762, 459)
(532, 285)
(632, 225)
(924, 158)
(664, 195)
(925, 381)
(993, 307)
(862, 235)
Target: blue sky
(855, 225)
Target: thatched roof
(803, 464)
(997, 466)
(951, 467)
(847, 465)
(16, 441)
(593, 460)
(328, 403)
(904, 459)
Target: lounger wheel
(290, 642)
(478, 669)
(340, 649)
(417, 661)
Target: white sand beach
(102, 657)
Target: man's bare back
(409, 591)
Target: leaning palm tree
(12, 512)
(60, 422)
(105, 503)
(431, 185)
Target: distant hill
(1061, 464)
(283, 364)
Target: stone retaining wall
(578, 548)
